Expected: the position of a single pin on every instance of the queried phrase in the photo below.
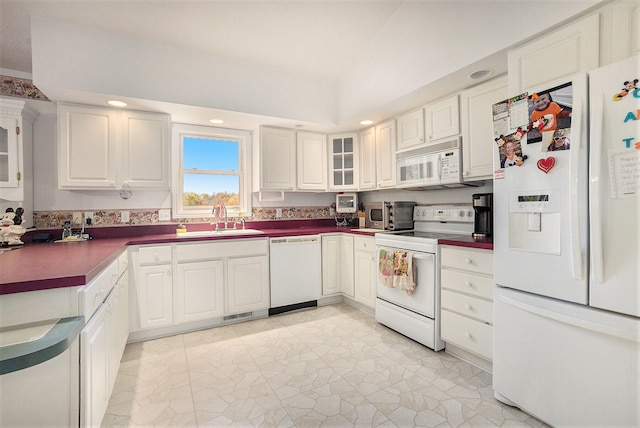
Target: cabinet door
(277, 159)
(625, 42)
(443, 119)
(343, 157)
(87, 151)
(572, 49)
(345, 264)
(330, 250)
(386, 154)
(367, 163)
(9, 159)
(312, 161)
(199, 290)
(155, 296)
(477, 128)
(411, 130)
(247, 284)
(364, 275)
(94, 367)
(117, 306)
(145, 150)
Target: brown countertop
(469, 242)
(41, 266)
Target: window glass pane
(348, 161)
(337, 178)
(210, 154)
(348, 145)
(4, 168)
(205, 190)
(337, 146)
(348, 178)
(337, 162)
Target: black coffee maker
(483, 207)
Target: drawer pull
(467, 335)
(468, 284)
(468, 307)
(469, 261)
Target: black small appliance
(483, 220)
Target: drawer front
(218, 250)
(466, 333)
(468, 283)
(154, 254)
(473, 260)
(96, 291)
(364, 244)
(467, 305)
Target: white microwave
(435, 165)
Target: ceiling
(420, 50)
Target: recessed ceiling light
(481, 74)
(117, 103)
(216, 121)
(366, 122)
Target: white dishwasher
(295, 265)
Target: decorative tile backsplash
(20, 88)
(55, 219)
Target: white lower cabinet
(155, 296)
(466, 281)
(337, 265)
(199, 290)
(102, 340)
(364, 267)
(196, 282)
(247, 286)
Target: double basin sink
(223, 232)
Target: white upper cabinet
(571, 49)
(145, 149)
(386, 154)
(312, 161)
(625, 41)
(477, 127)
(367, 163)
(411, 130)
(16, 136)
(343, 157)
(442, 119)
(100, 148)
(277, 159)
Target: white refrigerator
(567, 249)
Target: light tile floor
(329, 366)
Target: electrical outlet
(77, 218)
(124, 216)
(164, 215)
(278, 212)
(88, 217)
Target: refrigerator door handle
(595, 216)
(576, 247)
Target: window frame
(244, 139)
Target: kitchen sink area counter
(43, 266)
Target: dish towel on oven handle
(396, 269)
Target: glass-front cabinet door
(343, 157)
(9, 174)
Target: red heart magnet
(545, 165)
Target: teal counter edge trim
(55, 342)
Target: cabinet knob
(469, 261)
(467, 335)
(468, 307)
(466, 173)
(467, 284)
(168, 271)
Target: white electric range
(417, 315)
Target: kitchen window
(210, 164)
